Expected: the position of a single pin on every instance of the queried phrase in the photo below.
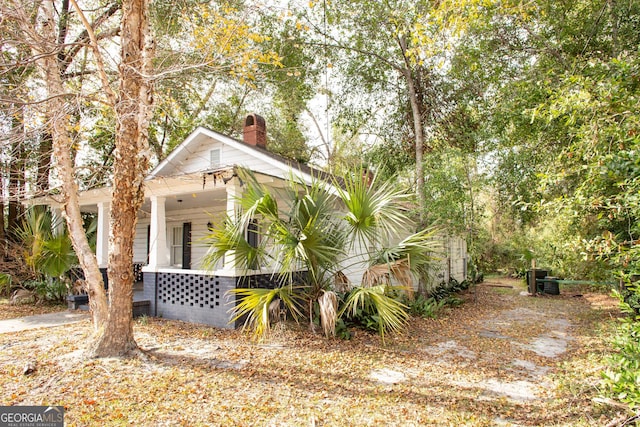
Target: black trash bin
(533, 286)
(551, 285)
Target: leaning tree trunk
(62, 145)
(44, 163)
(131, 160)
(16, 173)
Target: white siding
(140, 243)
(198, 219)
(200, 160)
(232, 156)
(355, 264)
(453, 260)
(450, 261)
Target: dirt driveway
(502, 358)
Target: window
(253, 233)
(253, 238)
(215, 158)
(176, 246)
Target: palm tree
(312, 228)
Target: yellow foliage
(435, 32)
(224, 38)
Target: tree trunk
(419, 134)
(44, 163)
(416, 114)
(131, 161)
(62, 145)
(2, 235)
(16, 174)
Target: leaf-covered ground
(499, 359)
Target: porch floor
(139, 306)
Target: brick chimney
(255, 131)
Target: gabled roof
(168, 176)
(203, 135)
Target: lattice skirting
(189, 290)
(198, 298)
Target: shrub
(423, 306)
(622, 377)
(50, 290)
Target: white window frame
(176, 244)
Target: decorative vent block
(189, 290)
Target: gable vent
(255, 131)
(215, 158)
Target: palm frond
(375, 275)
(374, 209)
(341, 282)
(378, 274)
(419, 250)
(328, 303)
(256, 199)
(385, 274)
(392, 314)
(57, 255)
(34, 229)
(228, 238)
(253, 304)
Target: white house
(184, 194)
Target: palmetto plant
(391, 314)
(49, 254)
(311, 228)
(34, 230)
(255, 306)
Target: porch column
(233, 208)
(158, 253)
(102, 235)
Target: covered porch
(169, 247)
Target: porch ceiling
(197, 190)
(191, 200)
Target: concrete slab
(42, 321)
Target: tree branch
(84, 35)
(94, 44)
